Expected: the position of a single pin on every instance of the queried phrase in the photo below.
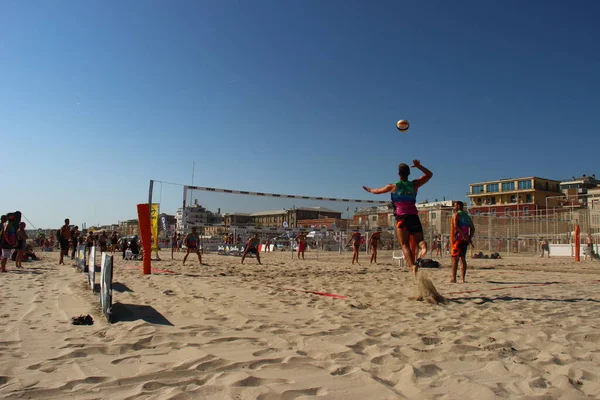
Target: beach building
(196, 215)
(577, 190)
(514, 196)
(282, 218)
(128, 227)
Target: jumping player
(191, 241)
(463, 234)
(252, 247)
(374, 240)
(404, 199)
(355, 240)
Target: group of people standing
(13, 240)
(69, 237)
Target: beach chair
(398, 256)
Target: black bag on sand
(427, 263)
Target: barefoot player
(64, 235)
(252, 247)
(191, 241)
(301, 240)
(463, 234)
(374, 240)
(404, 198)
(355, 240)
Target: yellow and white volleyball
(402, 125)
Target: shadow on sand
(132, 312)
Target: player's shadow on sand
(121, 287)
(132, 312)
(525, 283)
(26, 271)
(483, 299)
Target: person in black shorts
(64, 235)
(252, 247)
(404, 199)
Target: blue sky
(97, 98)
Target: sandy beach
(522, 327)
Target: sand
(522, 327)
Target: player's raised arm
(427, 174)
(386, 189)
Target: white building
(196, 215)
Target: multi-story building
(326, 222)
(196, 215)
(514, 196)
(281, 218)
(576, 190)
(128, 228)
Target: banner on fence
(106, 276)
(154, 225)
(92, 273)
(81, 257)
(91, 260)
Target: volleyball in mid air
(402, 125)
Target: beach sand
(522, 327)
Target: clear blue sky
(97, 98)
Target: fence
(521, 233)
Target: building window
(524, 185)
(494, 212)
(528, 198)
(492, 200)
(507, 211)
(476, 212)
(478, 189)
(508, 186)
(513, 198)
(433, 215)
(492, 187)
(526, 210)
(375, 219)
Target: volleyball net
(230, 216)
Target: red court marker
(335, 296)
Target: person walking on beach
(404, 199)
(192, 245)
(438, 246)
(103, 241)
(21, 245)
(463, 235)
(589, 247)
(355, 239)
(114, 242)
(5, 251)
(374, 240)
(301, 240)
(74, 241)
(64, 235)
(544, 246)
